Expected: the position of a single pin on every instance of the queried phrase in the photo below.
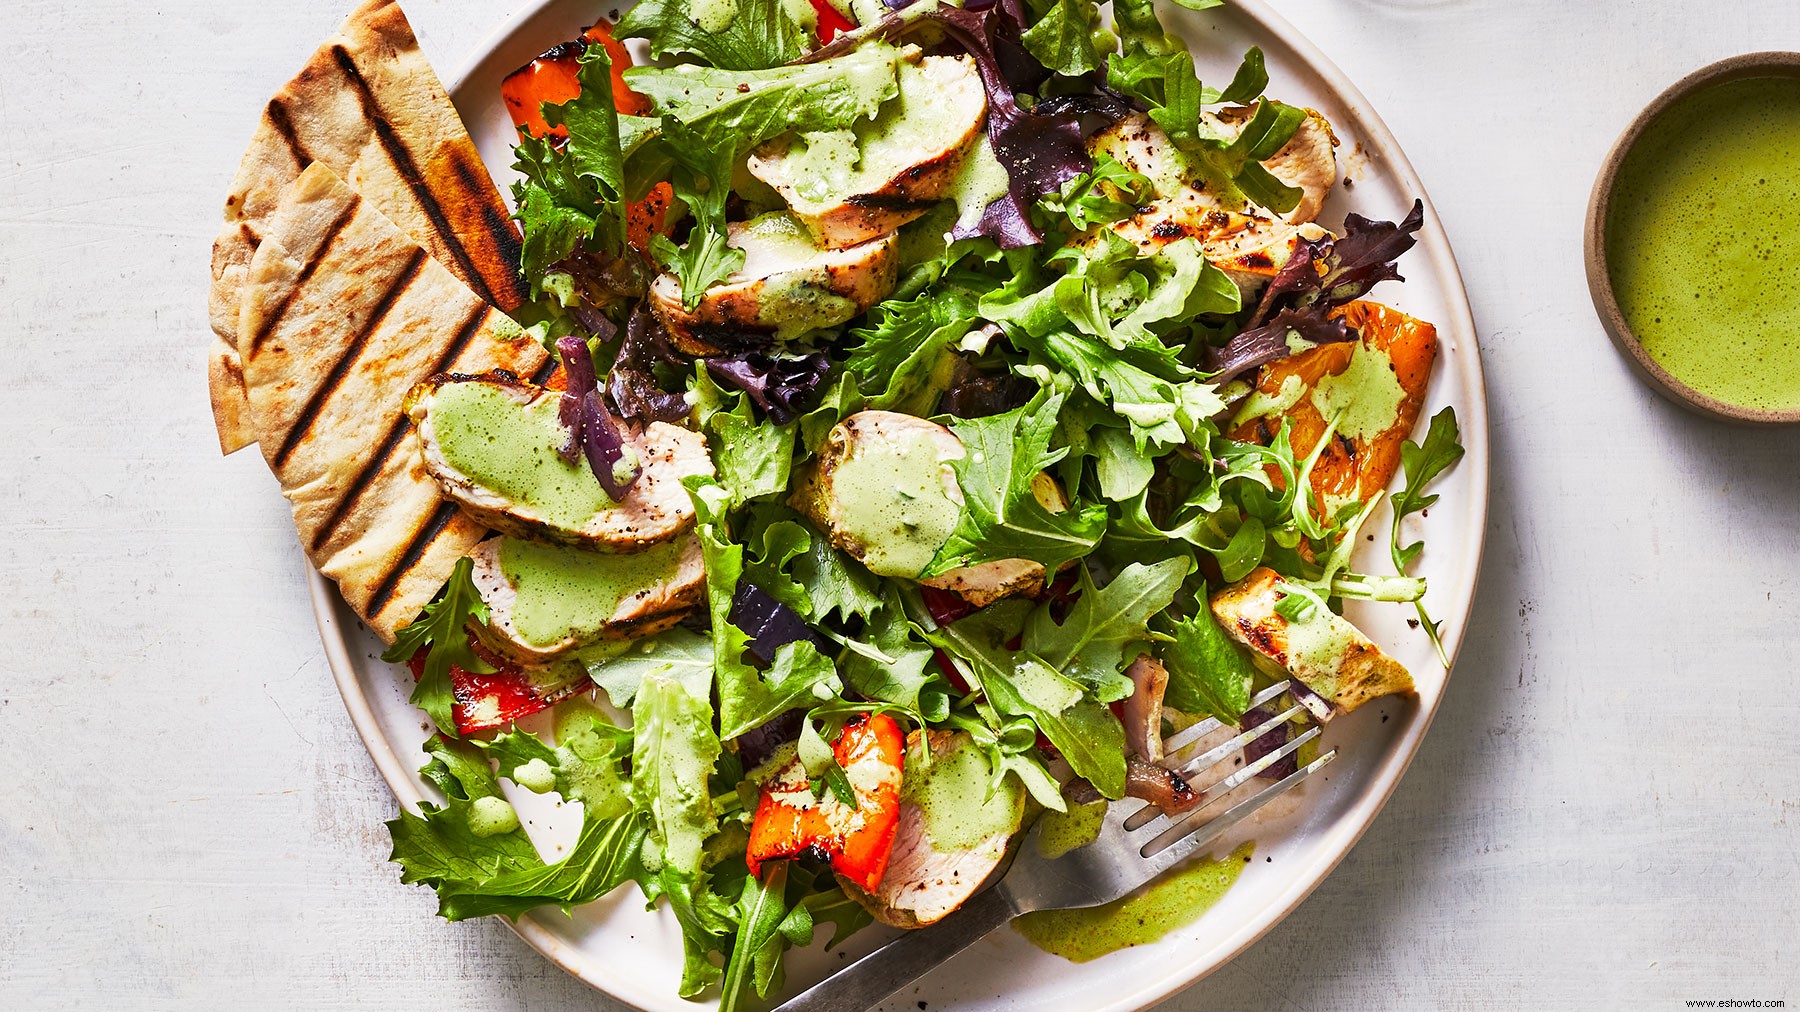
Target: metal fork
(1136, 844)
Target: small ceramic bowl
(1750, 65)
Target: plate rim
(1382, 146)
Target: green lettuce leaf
(442, 630)
(1001, 517)
(1089, 645)
(674, 750)
(1208, 673)
(1062, 39)
(900, 364)
(1020, 683)
(759, 35)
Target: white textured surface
(1606, 814)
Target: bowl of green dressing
(1693, 241)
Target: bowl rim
(1773, 63)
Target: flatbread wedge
(342, 316)
(369, 106)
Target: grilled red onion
(1142, 710)
(578, 370)
(604, 445)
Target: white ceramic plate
(635, 955)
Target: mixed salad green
(958, 359)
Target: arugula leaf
(1422, 463)
(1110, 192)
(845, 915)
(1063, 37)
(443, 630)
(673, 753)
(835, 583)
(1019, 683)
(583, 766)
(1208, 673)
(1001, 515)
(1089, 645)
(898, 674)
(477, 871)
(766, 927)
(759, 35)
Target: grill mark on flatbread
(408, 169)
(415, 550)
(331, 235)
(249, 235)
(352, 350)
(284, 125)
(396, 432)
(507, 239)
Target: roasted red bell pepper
(488, 702)
(791, 821)
(831, 21)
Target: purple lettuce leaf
(778, 385)
(1301, 296)
(578, 373)
(632, 384)
(1262, 746)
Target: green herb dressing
(1171, 902)
(510, 448)
(565, 592)
(952, 791)
(1699, 233)
(1365, 397)
(892, 500)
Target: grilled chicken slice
(884, 492)
(546, 601)
(852, 186)
(787, 287)
(491, 442)
(1308, 161)
(1248, 243)
(927, 878)
(1326, 653)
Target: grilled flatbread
(342, 315)
(369, 106)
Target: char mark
(396, 432)
(351, 352)
(887, 202)
(331, 235)
(479, 187)
(283, 123)
(415, 550)
(408, 169)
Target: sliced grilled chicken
(1332, 657)
(1308, 160)
(884, 492)
(927, 879)
(852, 187)
(787, 287)
(545, 601)
(491, 442)
(1248, 243)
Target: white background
(1605, 815)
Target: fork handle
(863, 984)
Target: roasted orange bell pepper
(791, 821)
(555, 77)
